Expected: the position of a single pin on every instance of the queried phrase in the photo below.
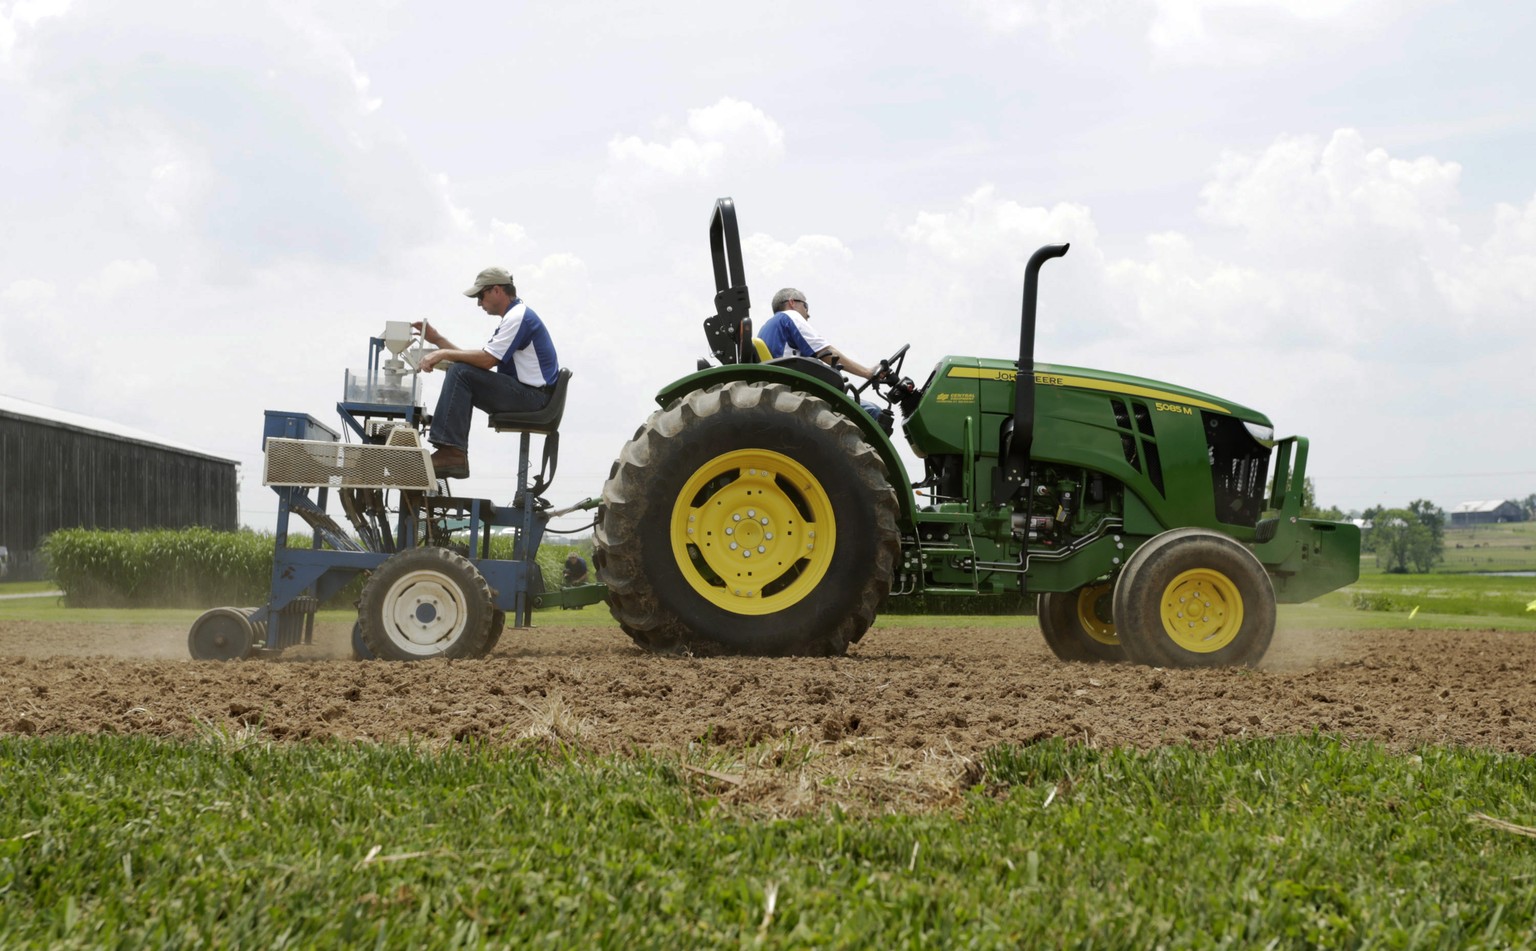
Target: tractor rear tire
(747, 518)
(657, 641)
(1079, 625)
(1194, 598)
(423, 603)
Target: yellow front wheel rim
(1092, 611)
(752, 531)
(1202, 610)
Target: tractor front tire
(423, 603)
(747, 518)
(1079, 625)
(1194, 598)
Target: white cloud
(966, 266)
(1060, 18)
(30, 340)
(804, 259)
(561, 276)
(500, 237)
(248, 152)
(1494, 285)
(24, 14)
(1364, 246)
(510, 230)
(325, 43)
(1298, 188)
(998, 228)
(27, 292)
(120, 276)
(1177, 290)
(729, 133)
(1230, 33)
(1252, 32)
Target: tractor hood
(1081, 378)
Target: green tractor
(762, 511)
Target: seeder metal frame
(396, 504)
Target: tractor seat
(811, 366)
(545, 420)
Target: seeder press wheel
(224, 634)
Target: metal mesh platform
(403, 464)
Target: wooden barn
(65, 470)
(1486, 513)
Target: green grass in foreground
(1304, 842)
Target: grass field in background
(27, 587)
(1293, 842)
(1484, 548)
(1507, 547)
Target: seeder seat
(545, 420)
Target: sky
(1321, 209)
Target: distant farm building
(1486, 513)
(65, 470)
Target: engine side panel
(1168, 445)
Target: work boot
(450, 462)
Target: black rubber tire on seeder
(454, 572)
(498, 624)
(222, 634)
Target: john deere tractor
(761, 510)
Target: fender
(840, 401)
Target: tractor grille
(1239, 469)
(403, 464)
(1138, 441)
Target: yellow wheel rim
(1093, 613)
(753, 532)
(1202, 610)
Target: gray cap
(785, 296)
(490, 277)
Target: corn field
(196, 567)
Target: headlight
(1263, 435)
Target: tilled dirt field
(911, 707)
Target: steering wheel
(890, 370)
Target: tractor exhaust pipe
(1016, 464)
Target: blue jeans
(468, 387)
